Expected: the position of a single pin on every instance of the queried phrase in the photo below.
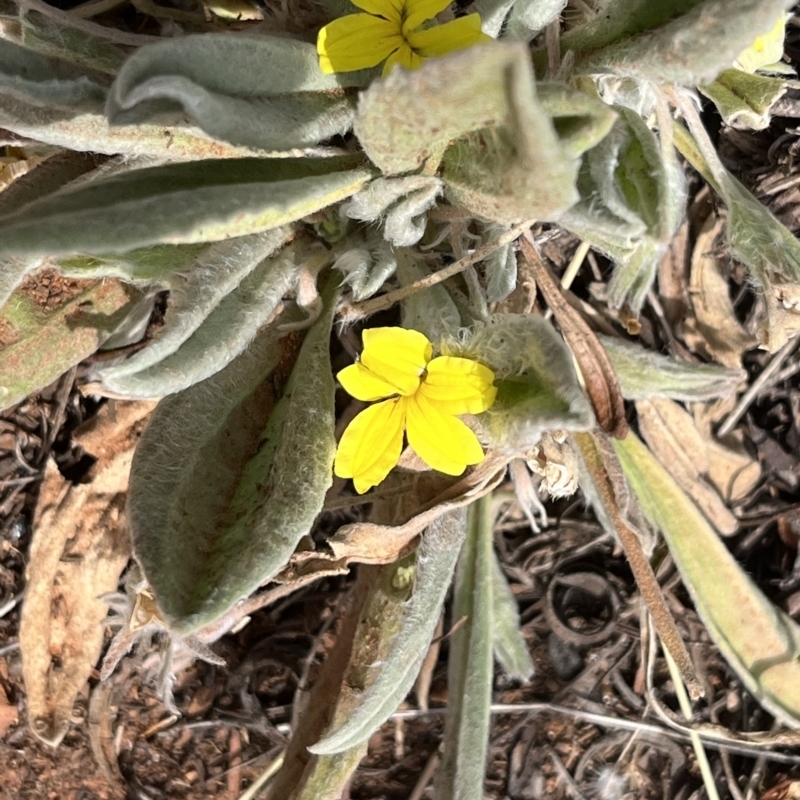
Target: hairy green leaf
(678, 41)
(632, 199)
(461, 774)
(231, 473)
(745, 100)
(538, 389)
(645, 373)
(759, 641)
(179, 203)
(436, 561)
(510, 648)
(261, 92)
(194, 295)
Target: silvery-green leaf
(510, 647)
(406, 116)
(760, 641)
(678, 41)
(493, 14)
(214, 313)
(39, 344)
(91, 133)
(580, 120)
(151, 265)
(538, 389)
(632, 199)
(231, 473)
(179, 204)
(367, 270)
(37, 80)
(530, 17)
(500, 267)
(461, 774)
(430, 310)
(262, 92)
(403, 202)
(508, 164)
(58, 34)
(374, 614)
(744, 100)
(436, 561)
(645, 373)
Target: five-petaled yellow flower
(389, 31)
(425, 395)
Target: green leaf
(261, 92)
(436, 561)
(538, 389)
(85, 44)
(39, 343)
(469, 668)
(38, 80)
(150, 265)
(500, 266)
(645, 373)
(194, 297)
(632, 200)
(508, 167)
(580, 120)
(514, 168)
(402, 202)
(231, 473)
(177, 204)
(759, 640)
(214, 313)
(674, 41)
(510, 647)
(366, 270)
(744, 100)
(530, 17)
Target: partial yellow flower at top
(425, 395)
(390, 31)
(765, 50)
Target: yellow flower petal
(388, 9)
(456, 35)
(458, 385)
(443, 442)
(371, 445)
(397, 355)
(405, 57)
(357, 41)
(419, 11)
(364, 384)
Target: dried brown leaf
(80, 546)
(599, 377)
(671, 435)
(714, 330)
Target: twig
(756, 386)
(425, 778)
(360, 310)
(697, 745)
(564, 773)
(604, 721)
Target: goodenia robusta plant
(271, 186)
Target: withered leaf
(80, 547)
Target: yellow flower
(424, 396)
(390, 31)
